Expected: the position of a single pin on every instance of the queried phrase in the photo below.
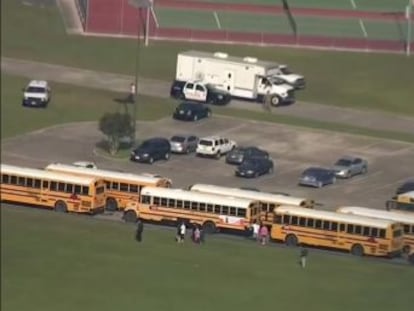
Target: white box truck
(245, 78)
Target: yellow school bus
(407, 220)
(211, 211)
(268, 201)
(61, 192)
(402, 202)
(121, 188)
(359, 235)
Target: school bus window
(232, 211)
(13, 180)
(365, 231)
(187, 204)
(163, 201)
(318, 224)
(202, 207)
(108, 184)
(100, 190)
(271, 207)
(334, 226)
(397, 233)
(5, 179)
(179, 203)
(210, 208)
(302, 221)
(278, 219)
(194, 206)
(29, 182)
(156, 200)
(53, 185)
(406, 229)
(61, 187)
(311, 223)
(123, 187)
(69, 188)
(133, 188)
(264, 207)
(350, 229)
(21, 181)
(241, 212)
(225, 210)
(37, 183)
(77, 189)
(374, 232)
(115, 186)
(217, 209)
(342, 227)
(45, 185)
(382, 233)
(85, 190)
(358, 229)
(325, 225)
(171, 203)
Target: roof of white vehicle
(213, 137)
(38, 83)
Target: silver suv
(183, 143)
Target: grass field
(62, 262)
(76, 104)
(371, 5)
(364, 81)
(268, 23)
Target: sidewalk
(120, 83)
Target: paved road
(120, 83)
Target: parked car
(183, 143)
(254, 167)
(85, 164)
(349, 166)
(191, 112)
(405, 187)
(238, 155)
(151, 150)
(200, 92)
(36, 94)
(317, 177)
(214, 146)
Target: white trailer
(247, 78)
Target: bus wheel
(357, 250)
(111, 205)
(291, 240)
(61, 207)
(130, 216)
(209, 227)
(411, 258)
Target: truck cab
(279, 91)
(295, 80)
(200, 92)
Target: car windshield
(206, 143)
(285, 70)
(313, 171)
(145, 144)
(34, 89)
(249, 162)
(178, 139)
(343, 162)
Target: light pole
(140, 4)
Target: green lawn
(370, 81)
(75, 104)
(62, 262)
(69, 104)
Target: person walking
(132, 93)
(182, 232)
(264, 232)
(197, 235)
(139, 231)
(303, 256)
(255, 229)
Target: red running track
(119, 17)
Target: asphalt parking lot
(292, 149)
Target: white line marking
(353, 4)
(364, 31)
(217, 19)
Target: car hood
(34, 95)
(246, 167)
(340, 168)
(142, 150)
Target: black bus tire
(111, 205)
(357, 250)
(209, 227)
(291, 240)
(130, 217)
(61, 207)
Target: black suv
(151, 150)
(238, 155)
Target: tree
(116, 126)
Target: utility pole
(137, 66)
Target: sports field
(63, 262)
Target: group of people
(197, 234)
(260, 233)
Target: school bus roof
(404, 218)
(249, 194)
(186, 195)
(333, 216)
(46, 175)
(105, 174)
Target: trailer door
(228, 81)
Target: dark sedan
(254, 167)
(407, 186)
(191, 112)
(152, 150)
(317, 177)
(238, 155)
